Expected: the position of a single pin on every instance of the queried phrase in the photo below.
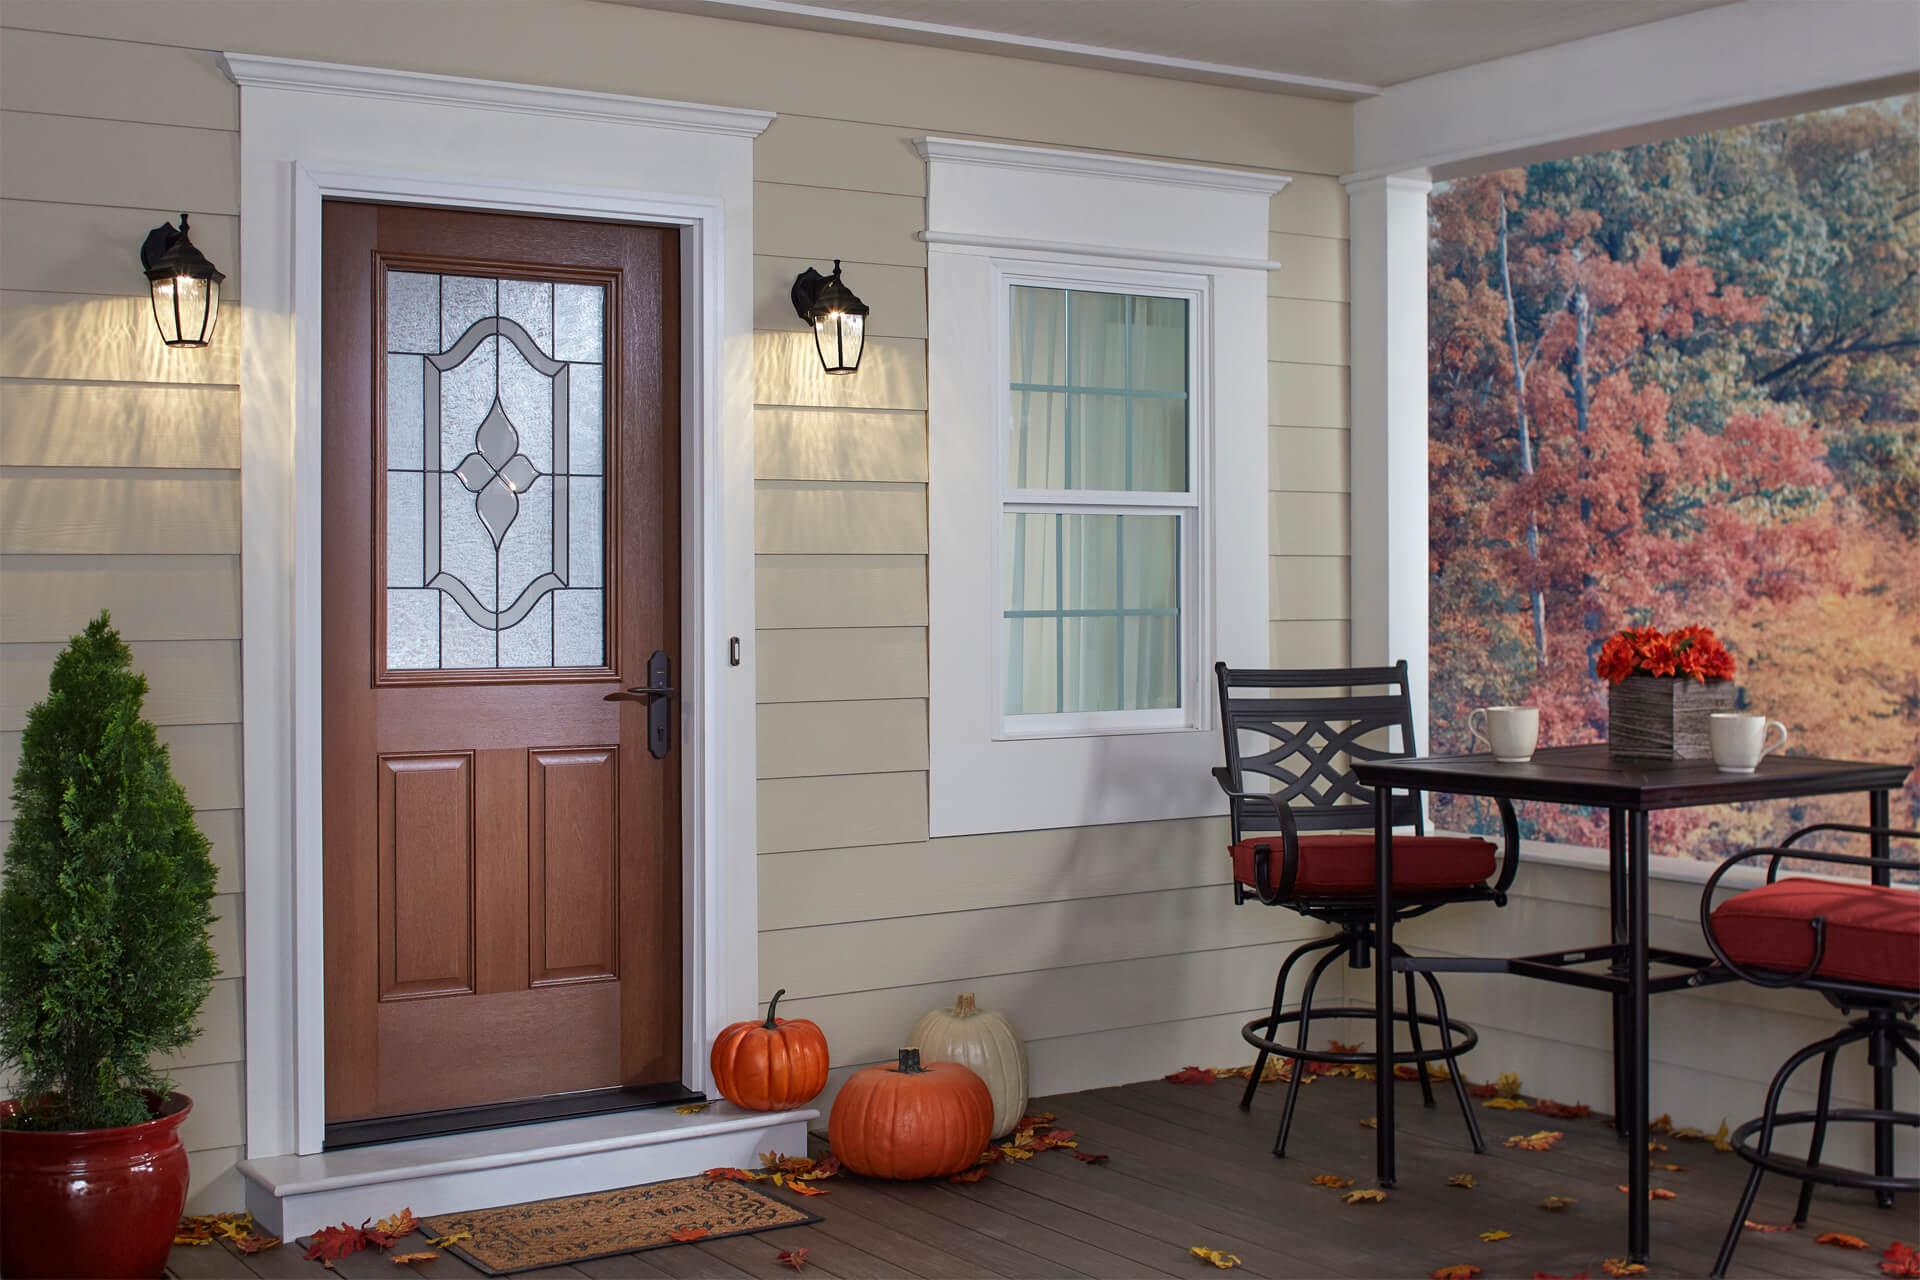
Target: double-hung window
(1099, 506)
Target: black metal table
(1629, 791)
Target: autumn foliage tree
(1680, 383)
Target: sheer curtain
(1099, 387)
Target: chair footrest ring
(1827, 1174)
(1463, 1038)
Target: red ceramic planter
(100, 1203)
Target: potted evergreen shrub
(104, 964)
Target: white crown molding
(1416, 181)
(1055, 248)
(1095, 164)
(256, 71)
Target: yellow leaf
(408, 1259)
(448, 1240)
(1721, 1138)
(1222, 1260)
(1555, 1204)
(1621, 1267)
(1507, 1084)
(398, 1224)
(1371, 1122)
(693, 1108)
(1331, 1180)
(1368, 1195)
(1464, 1181)
(1015, 1153)
(1508, 1104)
(1543, 1140)
(1458, 1271)
(1494, 1237)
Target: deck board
(1188, 1168)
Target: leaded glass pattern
(495, 485)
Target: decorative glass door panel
(494, 476)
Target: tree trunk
(1535, 599)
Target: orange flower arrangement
(1689, 653)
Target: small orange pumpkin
(906, 1121)
(775, 1065)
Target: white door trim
(312, 132)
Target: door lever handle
(657, 694)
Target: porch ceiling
(1351, 49)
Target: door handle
(658, 694)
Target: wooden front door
(500, 481)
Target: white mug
(1511, 732)
(1740, 740)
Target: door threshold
(293, 1195)
(500, 1115)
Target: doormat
(551, 1233)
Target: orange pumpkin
(774, 1065)
(906, 1121)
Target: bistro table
(1628, 790)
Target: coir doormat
(549, 1233)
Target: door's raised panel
(573, 849)
(426, 875)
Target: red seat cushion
(1873, 932)
(1331, 866)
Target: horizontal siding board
(79, 512)
(219, 1107)
(1308, 524)
(215, 1184)
(222, 830)
(1311, 644)
(841, 811)
(840, 444)
(839, 517)
(224, 934)
(81, 336)
(116, 80)
(1311, 205)
(151, 597)
(952, 946)
(814, 739)
(840, 591)
(65, 425)
(219, 1038)
(836, 886)
(834, 664)
(1308, 460)
(1310, 267)
(816, 151)
(787, 372)
(817, 222)
(130, 163)
(1305, 331)
(79, 248)
(1308, 588)
(897, 295)
(1307, 395)
(1227, 984)
(205, 758)
(188, 681)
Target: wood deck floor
(1188, 1168)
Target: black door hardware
(657, 693)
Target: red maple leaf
(1191, 1075)
(1901, 1260)
(330, 1243)
(795, 1258)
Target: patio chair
(1303, 739)
(1856, 942)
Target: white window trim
(312, 130)
(1190, 505)
(1000, 214)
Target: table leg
(1617, 919)
(1383, 982)
(1879, 814)
(1638, 1237)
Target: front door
(500, 481)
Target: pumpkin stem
(771, 1004)
(964, 1005)
(910, 1062)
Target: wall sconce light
(186, 287)
(839, 319)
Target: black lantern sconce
(186, 287)
(839, 318)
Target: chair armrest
(1266, 811)
(1774, 854)
(1510, 850)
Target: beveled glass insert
(495, 490)
(1092, 612)
(1100, 389)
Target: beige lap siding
(1116, 949)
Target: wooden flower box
(1664, 718)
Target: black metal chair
(1856, 942)
(1304, 741)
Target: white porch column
(1387, 235)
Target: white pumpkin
(986, 1042)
